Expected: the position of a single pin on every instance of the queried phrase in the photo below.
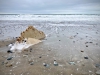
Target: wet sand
(75, 48)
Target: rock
(55, 63)
(40, 57)
(31, 63)
(82, 51)
(9, 51)
(90, 42)
(25, 55)
(85, 57)
(9, 58)
(98, 72)
(73, 41)
(30, 49)
(72, 63)
(30, 60)
(46, 65)
(86, 45)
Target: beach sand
(75, 48)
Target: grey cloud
(48, 6)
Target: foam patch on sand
(23, 45)
(29, 37)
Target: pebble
(9, 51)
(40, 57)
(98, 72)
(85, 57)
(72, 63)
(55, 63)
(9, 58)
(86, 45)
(31, 63)
(46, 65)
(25, 55)
(82, 51)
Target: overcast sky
(49, 6)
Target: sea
(11, 25)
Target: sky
(49, 6)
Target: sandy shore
(76, 50)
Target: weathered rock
(46, 65)
(31, 63)
(9, 51)
(72, 63)
(55, 63)
(85, 57)
(9, 58)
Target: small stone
(55, 63)
(40, 57)
(9, 58)
(30, 48)
(98, 72)
(85, 57)
(72, 63)
(31, 63)
(46, 65)
(59, 40)
(30, 60)
(90, 42)
(82, 51)
(9, 51)
(25, 55)
(73, 41)
(86, 45)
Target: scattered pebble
(40, 57)
(55, 63)
(86, 42)
(73, 41)
(90, 42)
(72, 63)
(86, 45)
(82, 51)
(9, 51)
(9, 58)
(46, 65)
(31, 63)
(25, 55)
(85, 57)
